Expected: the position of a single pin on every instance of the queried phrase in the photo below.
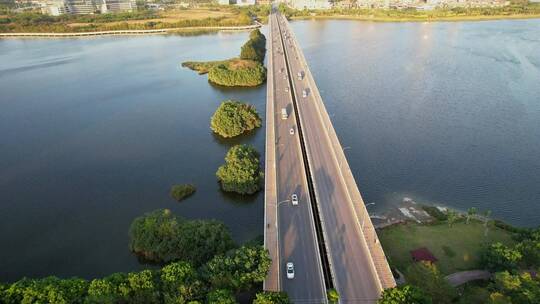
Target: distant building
(309, 4)
(245, 2)
(79, 7)
(224, 2)
(108, 6)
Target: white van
(284, 114)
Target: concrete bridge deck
(357, 266)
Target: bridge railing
(376, 251)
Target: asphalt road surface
(353, 271)
(296, 230)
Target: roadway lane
(353, 271)
(296, 230)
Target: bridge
(328, 234)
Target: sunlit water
(94, 131)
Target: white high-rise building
(59, 7)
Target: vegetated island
(233, 118)
(216, 272)
(241, 172)
(509, 256)
(180, 192)
(246, 71)
(516, 10)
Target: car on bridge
(291, 131)
(304, 93)
(294, 199)
(290, 270)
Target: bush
(241, 172)
(498, 257)
(239, 270)
(407, 294)
(272, 297)
(255, 48)
(162, 237)
(180, 192)
(233, 118)
(436, 213)
(252, 74)
(427, 278)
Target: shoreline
(420, 19)
(130, 32)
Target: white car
(291, 131)
(290, 270)
(286, 89)
(304, 93)
(294, 199)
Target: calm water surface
(94, 131)
(443, 113)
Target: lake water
(94, 131)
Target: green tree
(498, 257)
(180, 192)
(332, 295)
(239, 270)
(47, 290)
(519, 288)
(142, 287)
(160, 236)
(255, 48)
(407, 294)
(109, 290)
(427, 277)
(180, 283)
(221, 296)
(471, 212)
(453, 217)
(529, 248)
(241, 172)
(271, 297)
(233, 118)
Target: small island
(234, 118)
(180, 192)
(160, 236)
(241, 172)
(246, 71)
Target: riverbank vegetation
(457, 247)
(514, 10)
(207, 267)
(511, 254)
(139, 20)
(161, 237)
(245, 71)
(233, 118)
(219, 280)
(241, 172)
(180, 192)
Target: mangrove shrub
(241, 172)
(233, 118)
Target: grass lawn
(456, 248)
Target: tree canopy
(233, 118)
(498, 257)
(162, 237)
(255, 48)
(239, 270)
(407, 294)
(241, 172)
(427, 278)
(271, 297)
(180, 192)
